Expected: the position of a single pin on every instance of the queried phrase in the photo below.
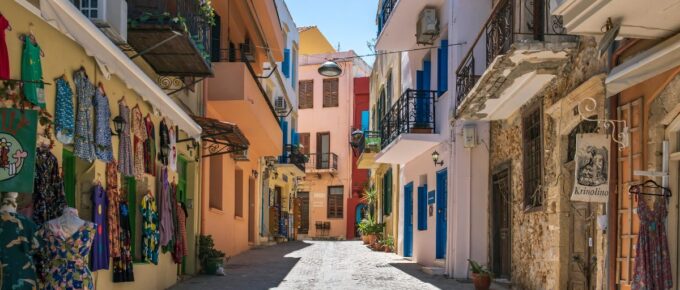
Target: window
(88, 7)
(335, 202)
(330, 93)
(442, 67)
(387, 192)
(422, 207)
(238, 192)
(323, 150)
(216, 182)
(364, 120)
(294, 67)
(533, 162)
(306, 94)
(381, 110)
(304, 141)
(285, 65)
(388, 92)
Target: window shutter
(306, 94)
(330, 92)
(286, 62)
(422, 208)
(304, 141)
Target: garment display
(102, 137)
(19, 243)
(165, 206)
(139, 132)
(125, 159)
(180, 234)
(66, 246)
(150, 233)
(112, 212)
(49, 200)
(164, 140)
(100, 247)
(31, 72)
(64, 124)
(172, 154)
(4, 55)
(652, 260)
(122, 264)
(84, 138)
(150, 146)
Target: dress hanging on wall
(122, 265)
(31, 72)
(102, 137)
(113, 211)
(84, 141)
(64, 124)
(172, 153)
(165, 206)
(139, 132)
(652, 261)
(100, 247)
(125, 159)
(164, 140)
(150, 233)
(18, 244)
(180, 234)
(4, 55)
(49, 200)
(150, 146)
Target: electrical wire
(397, 51)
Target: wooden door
(502, 230)
(628, 224)
(251, 209)
(323, 149)
(304, 209)
(581, 245)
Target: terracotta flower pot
(365, 239)
(481, 282)
(388, 249)
(372, 239)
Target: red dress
(4, 57)
(652, 261)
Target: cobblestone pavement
(320, 265)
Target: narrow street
(320, 265)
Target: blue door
(423, 79)
(441, 214)
(408, 220)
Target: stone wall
(541, 236)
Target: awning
(221, 137)
(112, 60)
(656, 60)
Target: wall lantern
(330, 69)
(118, 123)
(435, 158)
(356, 138)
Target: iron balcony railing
(510, 21)
(370, 142)
(322, 161)
(384, 13)
(414, 112)
(187, 15)
(293, 155)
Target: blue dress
(84, 143)
(102, 137)
(64, 124)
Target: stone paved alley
(320, 265)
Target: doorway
(501, 221)
(441, 214)
(408, 220)
(323, 150)
(304, 206)
(251, 210)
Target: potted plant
(481, 276)
(388, 244)
(363, 229)
(210, 257)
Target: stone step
(433, 270)
(440, 263)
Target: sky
(348, 22)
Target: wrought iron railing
(384, 13)
(414, 112)
(184, 15)
(293, 155)
(370, 142)
(321, 161)
(510, 21)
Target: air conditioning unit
(427, 30)
(110, 16)
(280, 105)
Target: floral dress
(150, 147)
(84, 143)
(113, 211)
(122, 265)
(180, 234)
(172, 154)
(100, 247)
(102, 137)
(652, 261)
(150, 233)
(139, 131)
(166, 203)
(49, 200)
(64, 124)
(67, 257)
(125, 165)
(164, 140)
(18, 244)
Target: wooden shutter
(304, 141)
(330, 92)
(306, 94)
(215, 198)
(238, 190)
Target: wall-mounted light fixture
(118, 123)
(435, 158)
(255, 173)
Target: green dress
(31, 72)
(18, 243)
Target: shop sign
(18, 131)
(430, 197)
(591, 178)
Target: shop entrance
(502, 222)
(304, 222)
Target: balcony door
(323, 150)
(422, 99)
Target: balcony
(173, 36)
(321, 162)
(369, 146)
(397, 21)
(517, 52)
(292, 161)
(638, 19)
(409, 128)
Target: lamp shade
(330, 69)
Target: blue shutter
(422, 208)
(286, 62)
(364, 120)
(442, 68)
(284, 130)
(295, 137)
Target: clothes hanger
(638, 189)
(122, 99)
(101, 87)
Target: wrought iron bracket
(588, 106)
(195, 81)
